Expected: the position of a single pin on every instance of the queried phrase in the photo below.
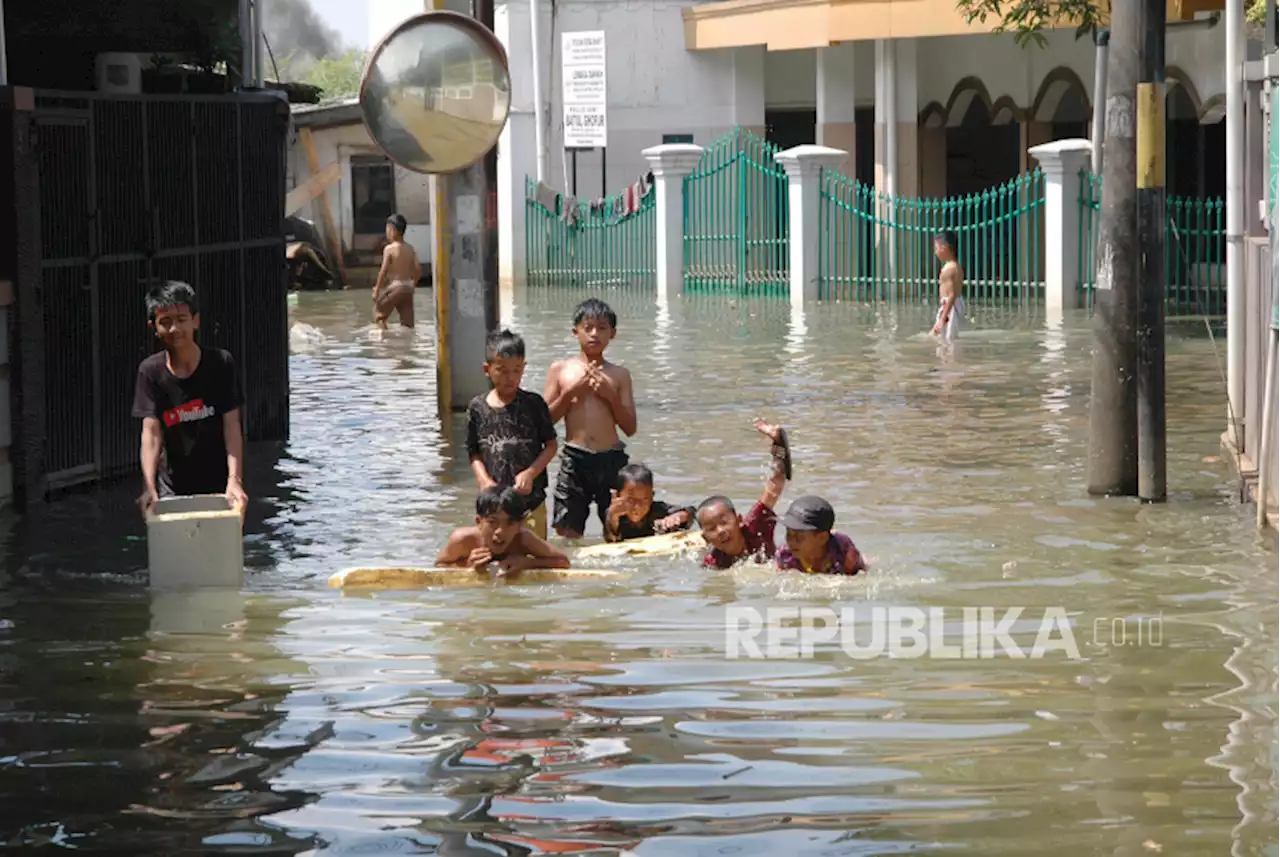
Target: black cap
(810, 513)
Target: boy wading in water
(950, 287)
(189, 400)
(398, 277)
(510, 436)
(595, 399)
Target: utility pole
(1113, 416)
(1152, 275)
(466, 269)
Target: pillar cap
(1063, 155)
(673, 159)
(808, 159)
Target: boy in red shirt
(732, 537)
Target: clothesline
(620, 205)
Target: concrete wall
(1009, 70)
(341, 142)
(656, 86)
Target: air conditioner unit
(119, 73)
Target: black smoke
(298, 36)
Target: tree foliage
(1027, 19)
(337, 76)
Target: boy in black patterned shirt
(510, 436)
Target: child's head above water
(594, 325)
(499, 516)
(721, 526)
(809, 522)
(504, 362)
(635, 486)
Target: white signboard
(585, 97)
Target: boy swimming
(595, 399)
(634, 514)
(733, 538)
(398, 277)
(510, 436)
(812, 546)
(950, 288)
(500, 537)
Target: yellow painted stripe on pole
(1151, 168)
(440, 270)
(444, 341)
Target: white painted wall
(655, 87)
(1007, 69)
(341, 142)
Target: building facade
(926, 104)
(367, 189)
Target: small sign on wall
(585, 97)
(677, 138)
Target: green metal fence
(1195, 250)
(736, 224)
(603, 245)
(875, 247)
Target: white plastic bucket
(195, 542)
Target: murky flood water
(598, 717)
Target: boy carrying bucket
(189, 401)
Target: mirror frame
(465, 22)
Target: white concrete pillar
(897, 117)
(804, 165)
(1061, 162)
(670, 163)
(837, 100)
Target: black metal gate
(135, 189)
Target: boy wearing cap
(812, 546)
(393, 291)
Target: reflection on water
(603, 717)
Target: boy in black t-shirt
(188, 399)
(510, 436)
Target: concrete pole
(246, 44)
(539, 108)
(1236, 315)
(1152, 276)
(1113, 413)
(4, 50)
(1100, 40)
(259, 79)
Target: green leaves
(337, 76)
(1027, 19)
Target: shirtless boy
(950, 286)
(398, 277)
(499, 537)
(595, 399)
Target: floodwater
(602, 718)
